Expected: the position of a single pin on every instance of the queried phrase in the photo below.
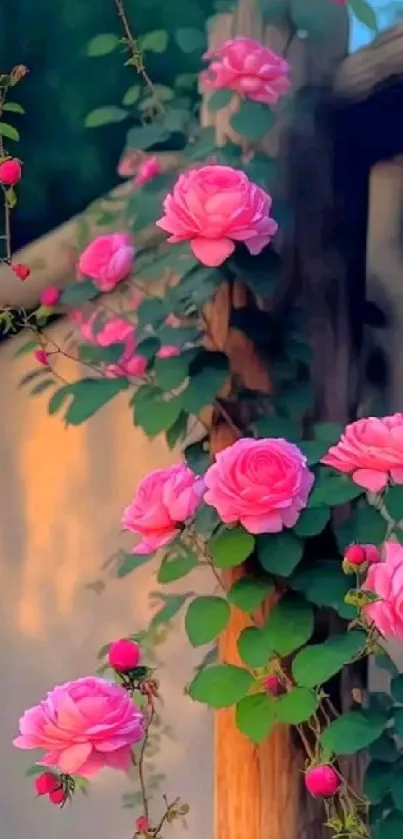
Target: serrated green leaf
(177, 563)
(317, 663)
(279, 553)
(254, 647)
(352, 732)
(231, 548)
(297, 706)
(171, 372)
(248, 593)
(102, 44)
(88, 396)
(290, 624)
(107, 115)
(155, 414)
(221, 686)
(252, 120)
(255, 716)
(206, 617)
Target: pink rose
(84, 726)
(168, 352)
(165, 499)
(263, 484)
(371, 451)
(248, 68)
(215, 206)
(107, 260)
(149, 169)
(50, 296)
(385, 579)
(114, 331)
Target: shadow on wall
(62, 495)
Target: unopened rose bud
(18, 73)
(322, 781)
(49, 296)
(372, 554)
(58, 796)
(142, 824)
(124, 655)
(46, 783)
(21, 271)
(42, 357)
(10, 172)
(272, 685)
(354, 558)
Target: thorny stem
(137, 58)
(150, 718)
(7, 228)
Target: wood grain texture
(364, 70)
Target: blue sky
(388, 12)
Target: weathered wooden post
(258, 791)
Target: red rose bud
(21, 271)
(124, 655)
(57, 796)
(142, 824)
(372, 554)
(10, 172)
(49, 296)
(272, 685)
(46, 783)
(354, 557)
(41, 357)
(322, 781)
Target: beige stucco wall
(62, 493)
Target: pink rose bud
(272, 685)
(372, 554)
(21, 271)
(240, 210)
(42, 357)
(322, 781)
(46, 783)
(124, 655)
(49, 296)
(142, 824)
(57, 796)
(355, 555)
(10, 172)
(107, 260)
(168, 352)
(149, 169)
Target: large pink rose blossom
(115, 330)
(213, 208)
(248, 68)
(165, 499)
(107, 260)
(84, 726)
(263, 484)
(148, 169)
(385, 579)
(371, 451)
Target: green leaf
(248, 593)
(145, 136)
(231, 548)
(221, 686)
(219, 99)
(313, 450)
(252, 120)
(255, 716)
(89, 395)
(102, 44)
(384, 749)
(171, 372)
(330, 432)
(398, 714)
(279, 553)
(57, 401)
(198, 457)
(206, 382)
(132, 94)
(28, 347)
(206, 618)
(156, 41)
(176, 564)
(37, 770)
(290, 624)
(312, 521)
(323, 583)
(377, 780)
(42, 386)
(9, 131)
(393, 499)
(331, 489)
(155, 414)
(189, 39)
(390, 827)
(369, 526)
(13, 107)
(178, 430)
(396, 688)
(296, 706)
(131, 562)
(106, 115)
(396, 787)
(352, 732)
(92, 354)
(254, 647)
(277, 427)
(364, 13)
(172, 604)
(78, 293)
(317, 663)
